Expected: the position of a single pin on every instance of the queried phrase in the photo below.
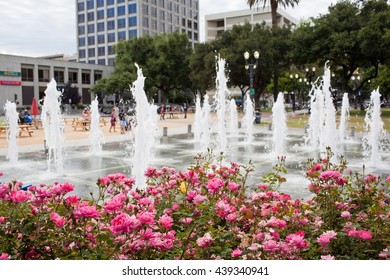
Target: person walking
(185, 110)
(113, 119)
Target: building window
(110, 25)
(82, 54)
(81, 18)
(101, 51)
(99, 3)
(91, 28)
(111, 37)
(189, 35)
(80, 7)
(110, 2)
(90, 4)
(110, 50)
(92, 61)
(100, 39)
(153, 12)
(43, 75)
(189, 24)
(132, 8)
(91, 16)
(145, 9)
(121, 23)
(101, 61)
(97, 76)
(110, 13)
(145, 22)
(132, 34)
(27, 75)
(81, 42)
(162, 27)
(162, 15)
(73, 77)
(121, 11)
(153, 2)
(195, 36)
(195, 25)
(153, 24)
(111, 62)
(91, 52)
(183, 22)
(100, 26)
(100, 14)
(91, 40)
(86, 78)
(132, 21)
(121, 35)
(161, 3)
(59, 76)
(220, 23)
(120, 1)
(81, 30)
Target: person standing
(113, 119)
(185, 110)
(122, 121)
(162, 112)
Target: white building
(103, 23)
(217, 23)
(22, 78)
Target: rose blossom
(214, 184)
(166, 221)
(124, 223)
(86, 211)
(4, 256)
(57, 219)
(326, 237)
(236, 253)
(205, 241)
(364, 234)
(346, 214)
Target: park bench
(25, 129)
(82, 124)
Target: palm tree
(274, 6)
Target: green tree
(353, 37)
(164, 60)
(274, 4)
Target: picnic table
(25, 129)
(81, 123)
(3, 129)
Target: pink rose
(236, 253)
(57, 219)
(364, 234)
(20, 196)
(166, 222)
(146, 218)
(4, 256)
(86, 211)
(1, 219)
(346, 215)
(124, 223)
(214, 184)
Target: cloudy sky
(45, 27)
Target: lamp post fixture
(251, 66)
(310, 73)
(355, 80)
(296, 85)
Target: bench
(25, 129)
(172, 114)
(3, 129)
(83, 124)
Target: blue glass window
(100, 26)
(80, 7)
(110, 25)
(81, 53)
(110, 12)
(90, 4)
(91, 16)
(91, 40)
(81, 42)
(91, 52)
(132, 34)
(132, 21)
(100, 39)
(110, 2)
(121, 23)
(100, 14)
(121, 35)
(81, 18)
(101, 51)
(132, 8)
(121, 11)
(99, 3)
(81, 30)
(111, 37)
(91, 28)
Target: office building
(103, 23)
(217, 23)
(22, 78)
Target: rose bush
(205, 212)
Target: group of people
(123, 120)
(172, 110)
(25, 118)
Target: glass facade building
(103, 23)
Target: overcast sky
(46, 27)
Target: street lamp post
(355, 80)
(251, 66)
(310, 73)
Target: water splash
(145, 133)
(206, 134)
(198, 120)
(375, 131)
(233, 119)
(95, 135)
(249, 118)
(279, 127)
(344, 117)
(53, 126)
(12, 118)
(221, 104)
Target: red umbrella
(34, 107)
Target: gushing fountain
(233, 119)
(375, 131)
(53, 126)
(279, 127)
(249, 118)
(12, 117)
(95, 135)
(145, 132)
(344, 117)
